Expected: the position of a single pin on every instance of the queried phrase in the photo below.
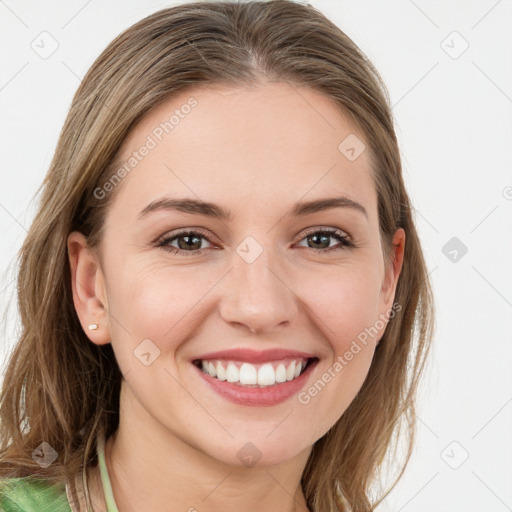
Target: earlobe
(88, 288)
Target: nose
(258, 296)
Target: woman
(223, 295)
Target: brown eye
(188, 242)
(320, 240)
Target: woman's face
(268, 277)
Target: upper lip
(255, 356)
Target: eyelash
(345, 241)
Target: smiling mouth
(255, 375)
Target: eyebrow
(207, 209)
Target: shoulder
(30, 494)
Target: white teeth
(232, 373)
(266, 375)
(281, 373)
(221, 373)
(290, 372)
(250, 375)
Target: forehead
(258, 146)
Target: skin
(255, 151)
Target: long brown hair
(60, 388)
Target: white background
(453, 120)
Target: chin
(260, 452)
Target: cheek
(344, 303)
(156, 302)
(344, 300)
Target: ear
(88, 287)
(393, 270)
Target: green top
(34, 494)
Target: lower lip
(259, 397)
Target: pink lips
(255, 356)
